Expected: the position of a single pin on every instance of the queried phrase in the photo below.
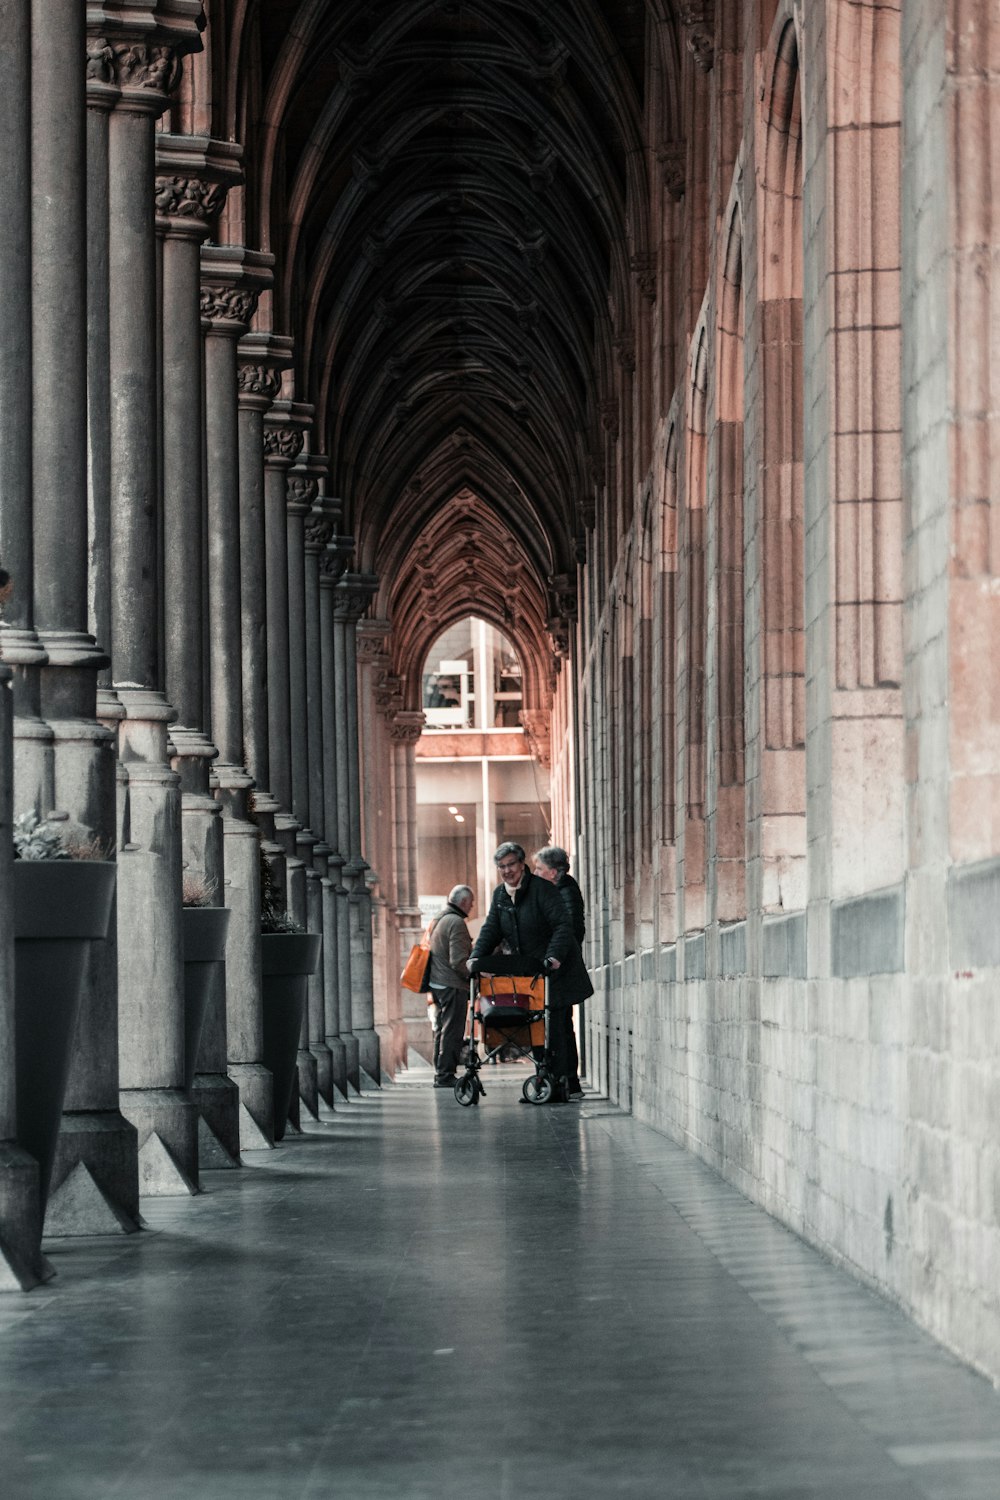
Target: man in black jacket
(552, 864)
(528, 917)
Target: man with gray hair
(451, 944)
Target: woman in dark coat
(552, 864)
(528, 916)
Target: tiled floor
(418, 1300)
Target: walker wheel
(537, 1089)
(465, 1090)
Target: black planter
(204, 930)
(287, 960)
(60, 907)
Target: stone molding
(263, 357)
(318, 529)
(672, 156)
(609, 417)
(644, 269)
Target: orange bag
(416, 973)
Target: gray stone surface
(974, 915)
(694, 956)
(867, 934)
(733, 948)
(784, 946)
(703, 1352)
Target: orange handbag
(417, 969)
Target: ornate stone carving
(133, 65)
(673, 163)
(259, 380)
(558, 631)
(537, 733)
(354, 592)
(332, 563)
(699, 21)
(407, 727)
(282, 442)
(188, 198)
(644, 270)
(563, 586)
(610, 418)
(228, 304)
(624, 347)
(317, 532)
(300, 495)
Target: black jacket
(573, 897)
(538, 925)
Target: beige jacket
(451, 944)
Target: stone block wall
(812, 1007)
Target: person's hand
(552, 963)
(471, 965)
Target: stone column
(354, 590)
(261, 358)
(315, 528)
(373, 664)
(231, 282)
(19, 645)
(193, 175)
(150, 972)
(407, 727)
(336, 912)
(21, 1261)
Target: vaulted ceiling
(452, 190)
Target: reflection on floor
(418, 1300)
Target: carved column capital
(372, 637)
(262, 357)
(133, 61)
(193, 176)
(232, 280)
(537, 732)
(609, 417)
(353, 595)
(624, 347)
(407, 726)
(318, 529)
(333, 561)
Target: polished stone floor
(417, 1300)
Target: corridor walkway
(417, 1300)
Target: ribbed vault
(453, 190)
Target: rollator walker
(507, 1012)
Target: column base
(324, 1071)
(22, 1264)
(338, 1065)
(400, 1042)
(369, 1054)
(218, 1100)
(387, 1051)
(106, 1145)
(353, 1052)
(308, 1075)
(167, 1123)
(256, 1086)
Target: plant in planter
(288, 956)
(63, 892)
(204, 927)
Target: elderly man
(451, 944)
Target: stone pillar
(150, 972)
(407, 727)
(373, 665)
(336, 913)
(193, 175)
(354, 590)
(21, 1262)
(231, 282)
(315, 526)
(19, 645)
(261, 357)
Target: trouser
(453, 1004)
(563, 1057)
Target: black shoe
(447, 1082)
